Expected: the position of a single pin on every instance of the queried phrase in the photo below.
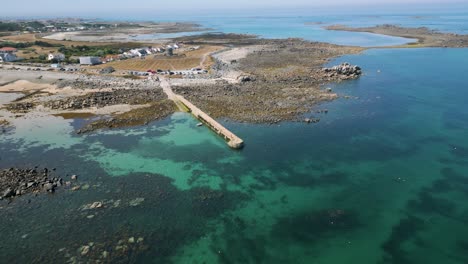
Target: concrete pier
(183, 104)
(232, 140)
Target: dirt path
(203, 60)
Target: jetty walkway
(183, 104)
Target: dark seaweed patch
(453, 162)
(441, 186)
(406, 229)
(311, 227)
(463, 245)
(454, 177)
(451, 181)
(235, 245)
(459, 152)
(308, 180)
(263, 183)
(196, 174)
(427, 203)
(455, 120)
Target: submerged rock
(8, 193)
(84, 250)
(136, 202)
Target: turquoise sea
(383, 178)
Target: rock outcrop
(17, 182)
(344, 71)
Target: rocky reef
(16, 182)
(344, 71)
(136, 117)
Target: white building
(56, 56)
(138, 52)
(8, 57)
(90, 60)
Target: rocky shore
(4, 123)
(130, 102)
(96, 82)
(16, 182)
(103, 99)
(259, 81)
(279, 81)
(136, 117)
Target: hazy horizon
(108, 8)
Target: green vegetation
(34, 24)
(84, 50)
(46, 44)
(20, 26)
(10, 26)
(22, 45)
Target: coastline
(425, 36)
(259, 97)
(250, 79)
(125, 34)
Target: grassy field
(35, 51)
(181, 61)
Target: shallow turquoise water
(383, 178)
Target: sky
(105, 8)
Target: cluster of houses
(53, 28)
(191, 72)
(56, 56)
(142, 52)
(7, 54)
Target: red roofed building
(7, 50)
